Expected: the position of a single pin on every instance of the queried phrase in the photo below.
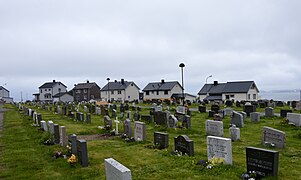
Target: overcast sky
(144, 41)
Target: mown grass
(24, 156)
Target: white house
(63, 97)
(4, 95)
(237, 91)
(161, 90)
(120, 91)
(49, 89)
(187, 97)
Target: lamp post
(182, 65)
(206, 85)
(108, 79)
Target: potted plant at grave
(72, 160)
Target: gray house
(237, 91)
(4, 95)
(49, 89)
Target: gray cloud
(144, 41)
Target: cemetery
(112, 142)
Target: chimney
(122, 81)
(115, 81)
(87, 81)
(53, 81)
(162, 81)
(215, 83)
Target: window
(59, 89)
(85, 97)
(157, 92)
(78, 91)
(49, 89)
(254, 96)
(249, 96)
(112, 92)
(85, 90)
(92, 96)
(119, 92)
(147, 93)
(227, 97)
(232, 96)
(77, 97)
(41, 90)
(166, 92)
(152, 92)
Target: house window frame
(147, 93)
(254, 96)
(119, 92)
(166, 92)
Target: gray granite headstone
(51, 127)
(72, 141)
(56, 133)
(139, 131)
(63, 141)
(82, 152)
(44, 125)
(214, 128)
(228, 111)
(116, 171)
(114, 113)
(136, 116)
(186, 123)
(127, 127)
(88, 118)
(273, 136)
(108, 122)
(254, 117)
(180, 109)
(219, 147)
(269, 112)
(244, 116)
(237, 119)
(129, 115)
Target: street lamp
(182, 65)
(108, 79)
(206, 85)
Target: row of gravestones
(78, 147)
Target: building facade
(49, 89)
(161, 90)
(86, 91)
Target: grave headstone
(114, 113)
(161, 140)
(121, 115)
(237, 119)
(63, 141)
(244, 116)
(184, 144)
(136, 116)
(228, 111)
(56, 133)
(186, 123)
(180, 109)
(215, 108)
(264, 162)
(283, 112)
(51, 127)
(269, 112)
(160, 118)
(72, 141)
(202, 109)
(146, 118)
(127, 127)
(172, 121)
(219, 147)
(82, 152)
(39, 118)
(44, 126)
(249, 108)
(88, 118)
(229, 103)
(129, 115)
(234, 133)
(294, 118)
(211, 114)
(237, 103)
(159, 108)
(122, 109)
(108, 122)
(273, 136)
(97, 110)
(214, 128)
(254, 117)
(116, 171)
(139, 131)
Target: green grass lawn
(23, 155)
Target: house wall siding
(52, 91)
(64, 98)
(4, 93)
(161, 95)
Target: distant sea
(293, 95)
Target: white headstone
(116, 171)
(273, 136)
(180, 109)
(139, 131)
(234, 133)
(44, 125)
(214, 128)
(219, 147)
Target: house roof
(179, 95)
(61, 94)
(85, 85)
(161, 86)
(1, 87)
(118, 85)
(51, 84)
(229, 87)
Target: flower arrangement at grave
(215, 161)
(284, 121)
(251, 175)
(72, 160)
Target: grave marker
(63, 141)
(140, 131)
(294, 118)
(116, 171)
(237, 119)
(214, 128)
(184, 144)
(127, 127)
(161, 140)
(274, 136)
(219, 147)
(82, 152)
